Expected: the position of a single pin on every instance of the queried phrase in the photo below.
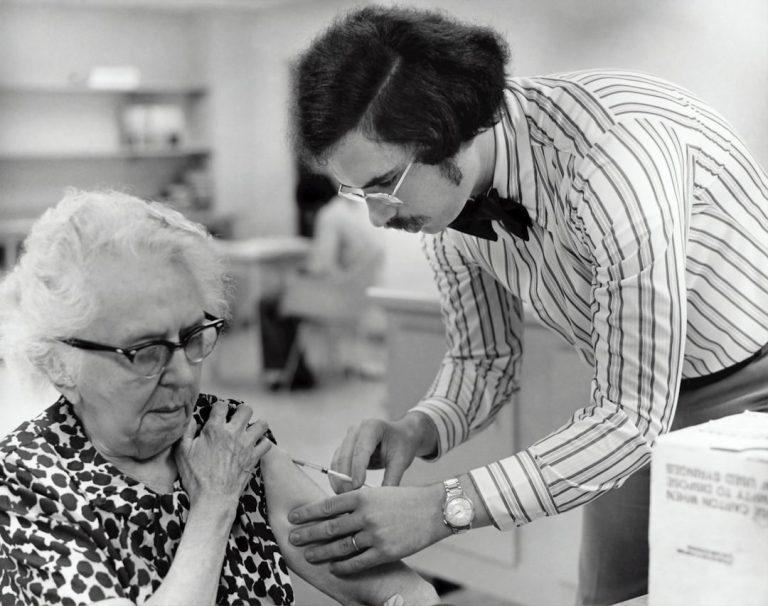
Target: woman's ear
(70, 392)
(58, 373)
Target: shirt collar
(515, 169)
(501, 162)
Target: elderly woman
(133, 487)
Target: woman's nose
(379, 213)
(179, 370)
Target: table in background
(640, 601)
(258, 266)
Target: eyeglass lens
(150, 360)
(388, 198)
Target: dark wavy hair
(408, 77)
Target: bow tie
(477, 214)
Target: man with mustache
(624, 212)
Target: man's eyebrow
(387, 176)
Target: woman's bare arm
(288, 487)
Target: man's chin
(431, 229)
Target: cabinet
(537, 563)
(56, 137)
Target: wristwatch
(458, 510)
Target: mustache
(409, 224)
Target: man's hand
(375, 444)
(367, 527)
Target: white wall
(46, 48)
(248, 67)
(45, 45)
(719, 50)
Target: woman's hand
(215, 466)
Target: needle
(325, 470)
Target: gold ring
(354, 544)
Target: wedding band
(354, 544)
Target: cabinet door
(554, 383)
(534, 564)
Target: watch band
(452, 488)
(454, 491)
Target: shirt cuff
(513, 491)
(449, 421)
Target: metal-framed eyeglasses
(150, 359)
(388, 198)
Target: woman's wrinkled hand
(215, 466)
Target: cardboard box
(709, 514)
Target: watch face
(459, 511)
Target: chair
(334, 305)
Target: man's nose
(379, 213)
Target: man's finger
(339, 486)
(368, 439)
(337, 550)
(327, 508)
(367, 559)
(342, 458)
(394, 471)
(342, 526)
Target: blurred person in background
(345, 258)
(133, 487)
(622, 210)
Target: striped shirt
(648, 253)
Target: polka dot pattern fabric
(75, 530)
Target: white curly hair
(46, 297)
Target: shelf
(55, 156)
(191, 90)
(56, 136)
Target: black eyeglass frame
(171, 346)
